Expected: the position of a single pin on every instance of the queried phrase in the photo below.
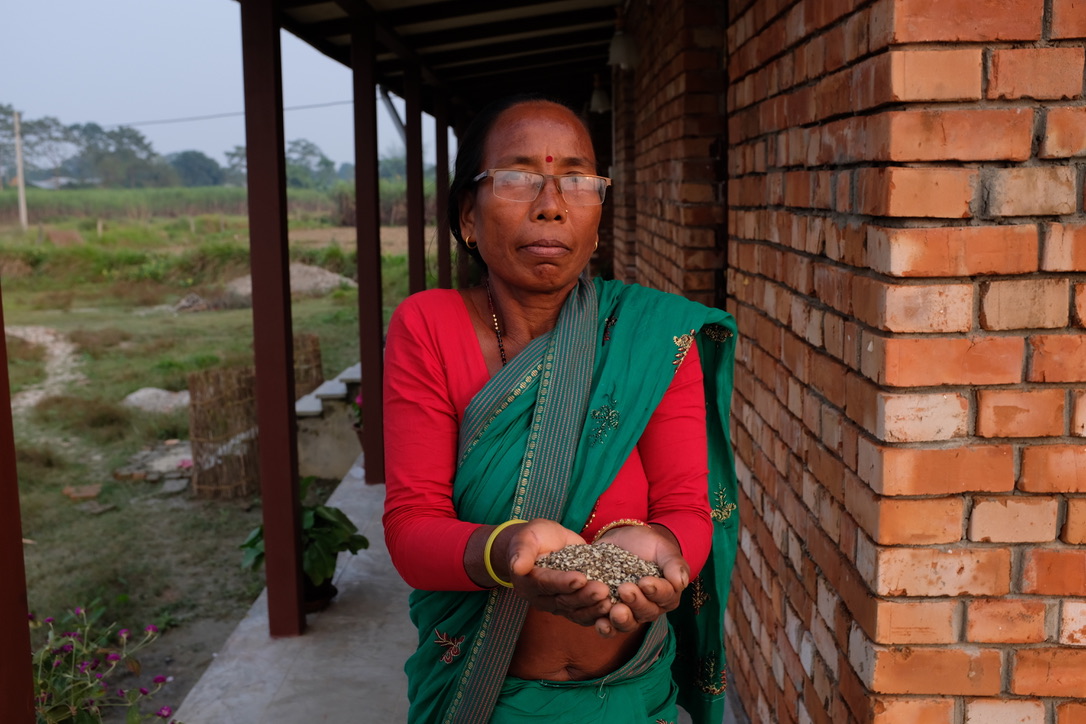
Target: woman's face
(542, 245)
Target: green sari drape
(544, 438)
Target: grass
(170, 561)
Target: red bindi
(550, 158)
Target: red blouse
(433, 368)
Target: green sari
(544, 438)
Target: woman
(541, 410)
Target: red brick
(1005, 620)
(944, 193)
(1053, 469)
(1080, 304)
(1053, 672)
(912, 710)
(954, 251)
(1033, 191)
(1078, 413)
(924, 362)
(1020, 413)
(1073, 623)
(1071, 712)
(947, 471)
(1074, 530)
(1065, 244)
(919, 522)
(1025, 304)
(956, 135)
(1058, 358)
(969, 672)
(943, 572)
(913, 309)
(921, 417)
(1068, 21)
(1065, 131)
(1014, 519)
(1043, 73)
(1054, 572)
(1004, 711)
(927, 21)
(936, 75)
(917, 622)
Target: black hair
(469, 159)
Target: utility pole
(20, 180)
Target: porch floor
(349, 664)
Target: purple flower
(49, 619)
(78, 610)
(358, 400)
(56, 663)
(30, 617)
(144, 691)
(160, 679)
(120, 692)
(123, 634)
(165, 712)
(112, 656)
(151, 628)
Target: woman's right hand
(563, 593)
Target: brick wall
(906, 258)
(668, 124)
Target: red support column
(17, 701)
(441, 192)
(368, 221)
(416, 213)
(272, 330)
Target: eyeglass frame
(491, 171)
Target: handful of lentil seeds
(604, 562)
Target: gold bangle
(621, 522)
(490, 546)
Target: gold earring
(596, 245)
(469, 244)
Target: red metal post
(272, 330)
(368, 221)
(441, 192)
(16, 683)
(416, 212)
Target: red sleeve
(675, 456)
(425, 539)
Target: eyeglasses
(576, 189)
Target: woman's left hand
(651, 597)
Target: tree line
(88, 155)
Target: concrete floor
(348, 667)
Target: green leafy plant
(326, 531)
(73, 669)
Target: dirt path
(61, 365)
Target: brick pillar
(677, 101)
(907, 263)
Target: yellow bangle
(617, 524)
(490, 545)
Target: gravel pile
(604, 562)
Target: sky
(122, 62)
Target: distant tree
(196, 169)
(7, 143)
(236, 166)
(119, 157)
(48, 144)
(345, 172)
(307, 166)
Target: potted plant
(326, 532)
